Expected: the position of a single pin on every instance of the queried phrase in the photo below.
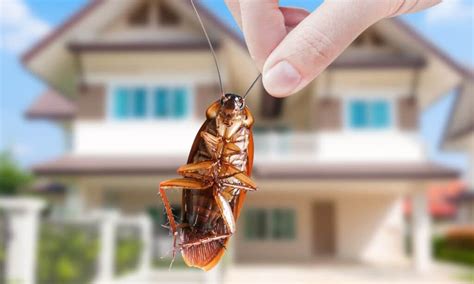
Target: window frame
(370, 97)
(149, 86)
(269, 213)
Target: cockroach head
(232, 102)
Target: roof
(209, 16)
(141, 46)
(93, 5)
(70, 49)
(51, 105)
(103, 165)
(141, 165)
(379, 61)
(440, 199)
(461, 69)
(466, 196)
(390, 170)
(461, 120)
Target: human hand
(291, 46)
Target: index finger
(263, 25)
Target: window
(157, 102)
(283, 224)
(170, 102)
(167, 17)
(130, 103)
(369, 114)
(140, 16)
(275, 224)
(160, 218)
(256, 224)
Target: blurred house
(129, 82)
(459, 137)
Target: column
(146, 227)
(23, 223)
(421, 231)
(107, 231)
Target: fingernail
(281, 79)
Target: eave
(139, 46)
(71, 165)
(52, 106)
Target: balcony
(337, 147)
(287, 145)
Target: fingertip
(282, 79)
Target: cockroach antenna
(210, 46)
(251, 86)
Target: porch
(349, 219)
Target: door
(324, 228)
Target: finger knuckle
(397, 7)
(319, 47)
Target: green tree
(12, 177)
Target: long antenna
(210, 45)
(251, 86)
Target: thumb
(312, 45)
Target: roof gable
(461, 120)
(52, 60)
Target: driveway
(334, 272)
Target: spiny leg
(226, 211)
(239, 186)
(200, 170)
(179, 183)
(206, 240)
(232, 176)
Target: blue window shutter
(161, 98)
(139, 102)
(180, 103)
(358, 114)
(121, 103)
(380, 116)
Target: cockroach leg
(238, 186)
(180, 183)
(184, 183)
(178, 226)
(226, 212)
(173, 227)
(197, 170)
(206, 240)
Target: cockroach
(215, 179)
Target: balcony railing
(287, 145)
(337, 147)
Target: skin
(292, 46)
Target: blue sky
(22, 22)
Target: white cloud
(19, 28)
(450, 11)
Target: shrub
(457, 246)
(128, 250)
(67, 254)
(12, 177)
(461, 237)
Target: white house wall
(375, 227)
(124, 138)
